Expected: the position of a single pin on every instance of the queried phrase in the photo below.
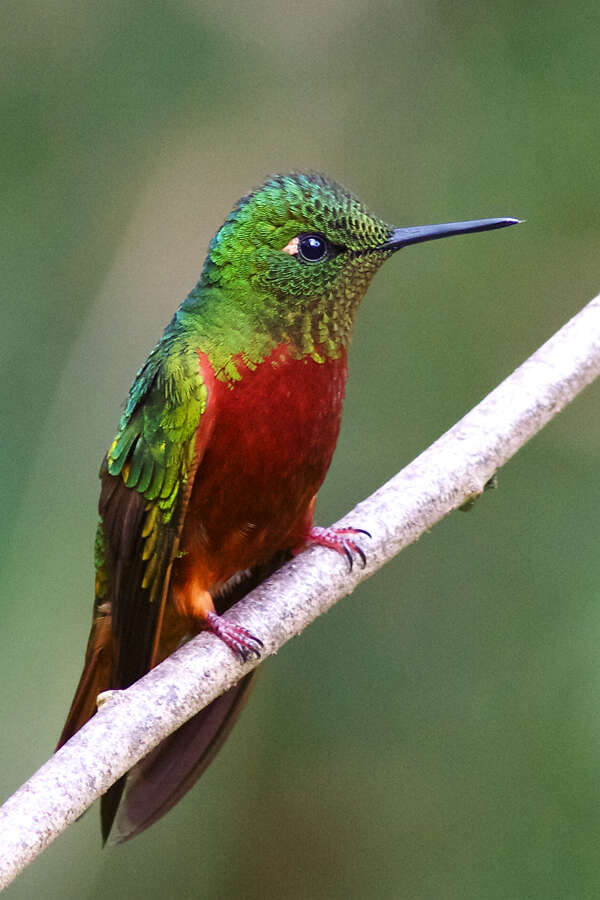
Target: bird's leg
(342, 540)
(240, 640)
(196, 603)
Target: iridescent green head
(298, 253)
(299, 236)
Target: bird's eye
(312, 247)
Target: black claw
(363, 531)
(361, 554)
(246, 652)
(349, 557)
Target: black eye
(312, 247)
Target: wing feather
(146, 480)
(170, 421)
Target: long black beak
(401, 237)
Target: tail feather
(161, 779)
(95, 679)
(149, 790)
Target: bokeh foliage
(437, 735)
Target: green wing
(146, 482)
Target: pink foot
(339, 539)
(238, 639)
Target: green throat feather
(262, 297)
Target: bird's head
(297, 235)
(301, 250)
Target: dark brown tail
(160, 780)
(95, 678)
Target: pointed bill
(401, 237)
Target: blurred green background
(437, 735)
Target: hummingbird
(228, 432)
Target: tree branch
(441, 479)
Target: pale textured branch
(453, 469)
